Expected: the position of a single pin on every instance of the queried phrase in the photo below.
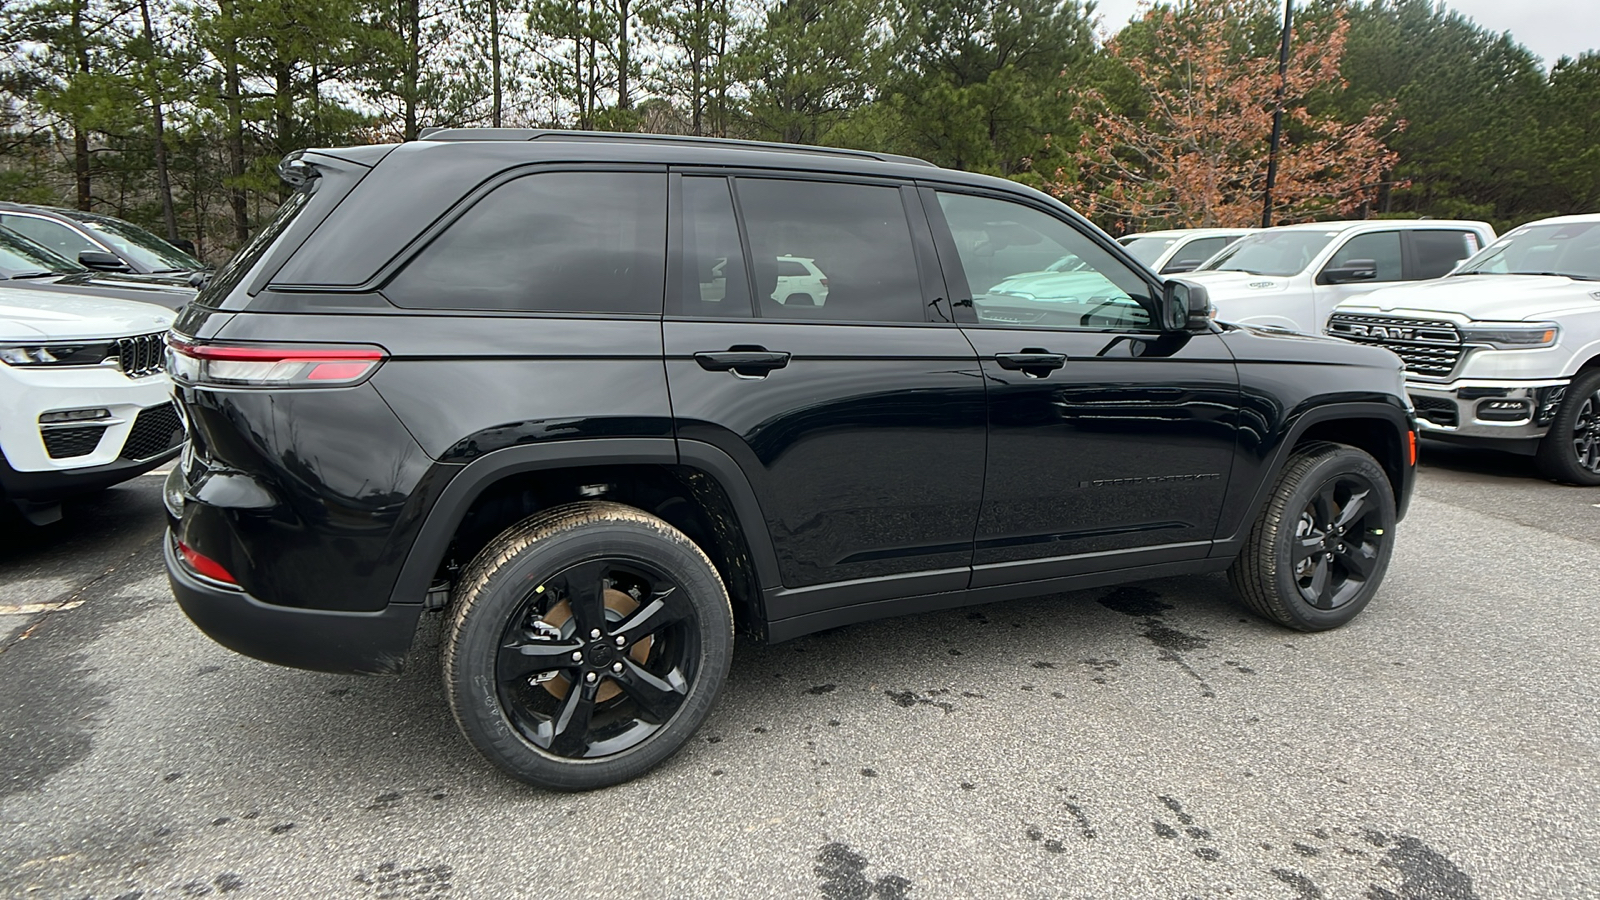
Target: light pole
(1277, 115)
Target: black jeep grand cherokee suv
(603, 397)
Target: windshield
(1280, 253)
(1571, 249)
(22, 258)
(133, 242)
(1148, 249)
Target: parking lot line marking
(28, 609)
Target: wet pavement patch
(844, 876)
(1135, 601)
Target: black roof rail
(543, 134)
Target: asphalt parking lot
(1146, 741)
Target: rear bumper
(366, 643)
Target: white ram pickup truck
(1291, 277)
(85, 401)
(1505, 350)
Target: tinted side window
(1381, 246)
(54, 235)
(830, 251)
(1196, 252)
(1025, 267)
(1439, 251)
(578, 242)
(714, 282)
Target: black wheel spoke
(1321, 584)
(1359, 561)
(1322, 506)
(657, 697)
(1354, 509)
(584, 588)
(569, 730)
(663, 609)
(520, 659)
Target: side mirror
(1187, 306)
(1178, 267)
(1352, 270)
(102, 261)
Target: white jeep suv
(85, 402)
(1291, 277)
(1505, 351)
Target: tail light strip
(224, 365)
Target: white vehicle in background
(85, 402)
(1505, 351)
(1181, 249)
(800, 282)
(1291, 277)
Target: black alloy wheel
(587, 643)
(1570, 451)
(1317, 553)
(597, 658)
(1337, 541)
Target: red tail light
(272, 366)
(204, 565)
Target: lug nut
(591, 677)
(577, 656)
(621, 641)
(594, 633)
(616, 667)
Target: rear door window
(561, 242)
(1383, 247)
(830, 251)
(1437, 252)
(714, 280)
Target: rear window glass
(568, 242)
(219, 287)
(839, 252)
(1439, 251)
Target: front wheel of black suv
(586, 645)
(1318, 552)
(1570, 451)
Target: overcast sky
(1550, 28)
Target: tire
(1570, 451)
(1295, 568)
(535, 596)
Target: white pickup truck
(1505, 351)
(1292, 276)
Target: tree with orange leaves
(1187, 145)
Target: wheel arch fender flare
(1296, 428)
(464, 488)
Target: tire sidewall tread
(1554, 457)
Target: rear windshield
(233, 273)
(22, 258)
(1278, 253)
(139, 245)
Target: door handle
(1032, 361)
(745, 362)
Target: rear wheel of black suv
(587, 643)
(1570, 452)
(1318, 552)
